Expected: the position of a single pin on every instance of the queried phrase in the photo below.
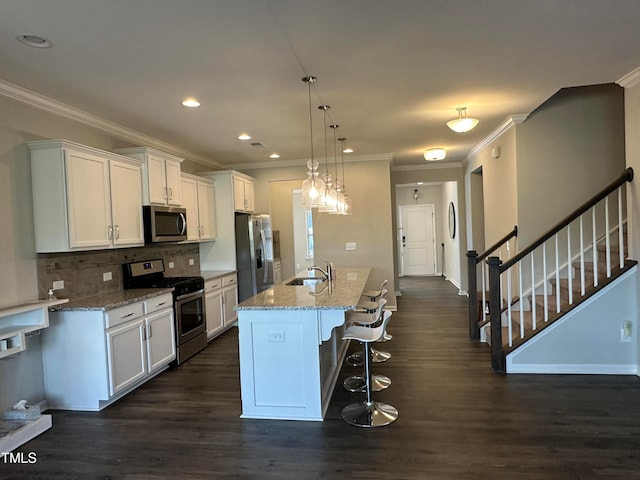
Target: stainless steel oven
(188, 303)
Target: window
(309, 229)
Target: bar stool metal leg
(369, 413)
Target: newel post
(472, 262)
(495, 315)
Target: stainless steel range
(188, 303)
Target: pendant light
(339, 208)
(313, 187)
(346, 205)
(462, 123)
(329, 199)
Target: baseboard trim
(578, 369)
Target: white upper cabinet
(161, 183)
(243, 198)
(199, 200)
(84, 198)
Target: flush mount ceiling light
(244, 136)
(274, 155)
(33, 40)
(435, 154)
(190, 102)
(348, 150)
(462, 123)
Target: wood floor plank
(458, 420)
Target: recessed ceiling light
(33, 40)
(274, 155)
(244, 136)
(348, 150)
(190, 102)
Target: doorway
(417, 239)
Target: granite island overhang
(291, 347)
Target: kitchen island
(291, 347)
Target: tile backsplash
(83, 272)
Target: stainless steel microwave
(164, 224)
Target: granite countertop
(345, 293)
(109, 301)
(211, 274)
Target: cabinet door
(157, 179)
(174, 190)
(161, 342)
(126, 203)
(238, 194)
(206, 211)
(190, 202)
(126, 355)
(230, 301)
(88, 200)
(249, 201)
(214, 309)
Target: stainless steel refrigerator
(254, 254)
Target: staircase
(545, 309)
(542, 283)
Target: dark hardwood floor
(458, 420)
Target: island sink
(306, 281)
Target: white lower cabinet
(91, 358)
(221, 296)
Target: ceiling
(392, 71)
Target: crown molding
(380, 157)
(631, 79)
(427, 166)
(47, 104)
(511, 121)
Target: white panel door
(190, 202)
(126, 203)
(207, 211)
(88, 202)
(418, 240)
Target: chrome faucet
(327, 274)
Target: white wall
(452, 254)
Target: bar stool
(357, 383)
(370, 306)
(377, 356)
(368, 413)
(374, 294)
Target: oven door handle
(190, 295)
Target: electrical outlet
(106, 276)
(171, 264)
(625, 331)
(276, 336)
(191, 262)
(58, 285)
(351, 246)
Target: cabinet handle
(166, 193)
(170, 193)
(160, 304)
(150, 333)
(117, 232)
(143, 331)
(127, 315)
(109, 232)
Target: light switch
(171, 264)
(106, 276)
(351, 245)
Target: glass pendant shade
(462, 123)
(329, 197)
(313, 187)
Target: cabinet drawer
(213, 284)
(158, 303)
(123, 314)
(229, 280)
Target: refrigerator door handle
(263, 249)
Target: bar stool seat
(368, 413)
(368, 317)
